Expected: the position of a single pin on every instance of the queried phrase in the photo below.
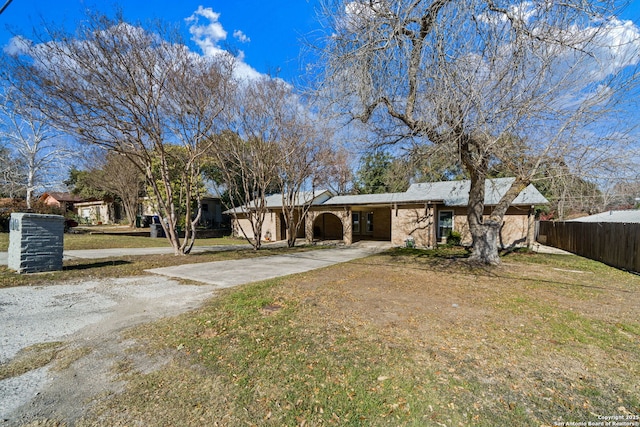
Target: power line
(5, 6)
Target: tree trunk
(485, 242)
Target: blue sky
(269, 33)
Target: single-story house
(631, 216)
(425, 213)
(63, 200)
(99, 212)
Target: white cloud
(207, 32)
(17, 45)
(241, 37)
(616, 46)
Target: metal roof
(274, 201)
(451, 193)
(629, 217)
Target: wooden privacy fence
(615, 244)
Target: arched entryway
(328, 226)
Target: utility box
(35, 242)
(156, 231)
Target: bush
(454, 238)
(9, 206)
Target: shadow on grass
(101, 264)
(442, 252)
(454, 260)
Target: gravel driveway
(86, 314)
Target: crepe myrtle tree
(245, 169)
(247, 158)
(498, 80)
(305, 156)
(135, 91)
(279, 146)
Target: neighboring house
(65, 201)
(211, 212)
(426, 213)
(211, 217)
(627, 217)
(99, 212)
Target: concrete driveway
(231, 273)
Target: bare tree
(113, 174)
(303, 152)
(280, 147)
(515, 83)
(136, 92)
(12, 176)
(33, 141)
(247, 159)
(337, 173)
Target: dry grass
(74, 241)
(125, 266)
(39, 355)
(403, 339)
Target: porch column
(431, 225)
(308, 226)
(347, 227)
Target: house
(99, 212)
(211, 215)
(626, 217)
(274, 227)
(425, 213)
(62, 200)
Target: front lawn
(105, 241)
(400, 339)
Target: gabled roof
(629, 217)
(61, 196)
(450, 193)
(274, 201)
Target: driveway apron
(225, 274)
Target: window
(369, 222)
(445, 223)
(356, 222)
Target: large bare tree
(138, 92)
(515, 83)
(35, 144)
